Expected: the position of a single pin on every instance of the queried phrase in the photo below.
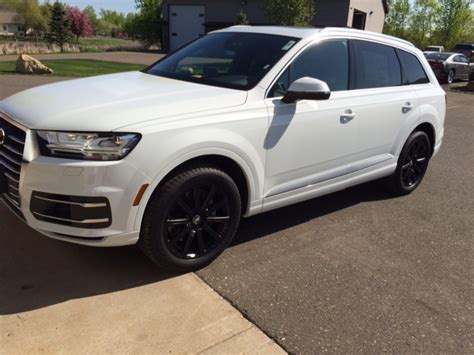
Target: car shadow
(37, 272)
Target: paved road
(121, 57)
(353, 271)
(359, 271)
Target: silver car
(449, 66)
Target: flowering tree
(80, 24)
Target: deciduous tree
(146, 25)
(290, 12)
(79, 21)
(451, 22)
(422, 22)
(398, 19)
(242, 18)
(29, 13)
(93, 20)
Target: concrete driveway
(355, 271)
(61, 298)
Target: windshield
(228, 59)
(437, 56)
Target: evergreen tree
(59, 25)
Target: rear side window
(377, 66)
(412, 69)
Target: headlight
(88, 146)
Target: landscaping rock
(26, 64)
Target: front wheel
(412, 164)
(191, 219)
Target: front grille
(11, 156)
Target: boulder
(26, 64)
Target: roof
(300, 32)
(297, 32)
(8, 17)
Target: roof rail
(375, 34)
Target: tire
(190, 219)
(451, 76)
(412, 165)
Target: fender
(253, 173)
(421, 117)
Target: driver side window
(327, 61)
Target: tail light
(438, 65)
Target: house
(9, 24)
(186, 20)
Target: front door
(186, 24)
(309, 142)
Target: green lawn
(104, 41)
(77, 67)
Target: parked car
(242, 121)
(449, 66)
(436, 49)
(465, 48)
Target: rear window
(377, 65)
(437, 56)
(464, 46)
(413, 72)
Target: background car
(465, 48)
(449, 66)
(435, 49)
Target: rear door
(465, 66)
(383, 105)
(186, 24)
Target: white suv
(239, 122)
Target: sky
(124, 6)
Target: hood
(106, 103)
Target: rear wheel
(451, 76)
(412, 164)
(191, 219)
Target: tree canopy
(431, 22)
(290, 12)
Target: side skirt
(329, 186)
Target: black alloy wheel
(412, 164)
(415, 163)
(190, 219)
(197, 221)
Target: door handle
(407, 107)
(347, 116)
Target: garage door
(186, 24)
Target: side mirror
(307, 89)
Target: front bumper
(65, 189)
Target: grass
(104, 41)
(78, 67)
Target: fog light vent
(73, 211)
